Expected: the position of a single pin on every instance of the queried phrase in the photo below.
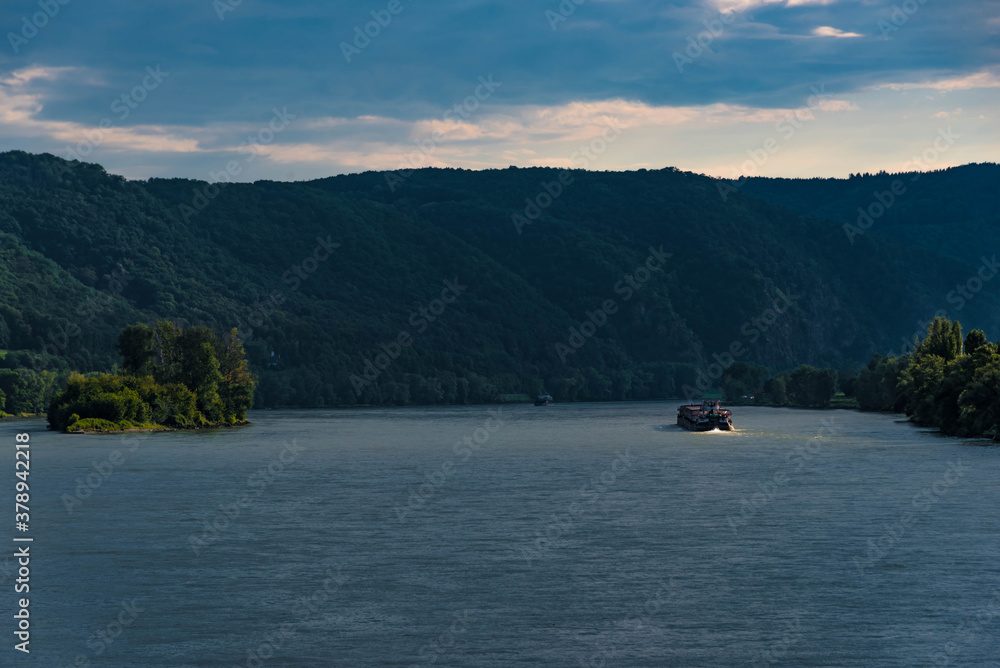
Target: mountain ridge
(251, 258)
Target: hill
(442, 286)
(955, 211)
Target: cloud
(610, 59)
(745, 5)
(268, 52)
(36, 73)
(529, 134)
(522, 133)
(827, 31)
(837, 105)
(948, 115)
(983, 79)
(21, 113)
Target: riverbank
(840, 401)
(94, 426)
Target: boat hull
(723, 424)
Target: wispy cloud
(948, 115)
(983, 79)
(35, 73)
(540, 132)
(744, 5)
(828, 31)
(22, 107)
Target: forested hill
(465, 290)
(955, 211)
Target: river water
(567, 535)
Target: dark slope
(252, 256)
(729, 255)
(955, 211)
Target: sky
(243, 90)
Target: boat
(706, 416)
(543, 400)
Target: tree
(847, 381)
(198, 369)
(974, 340)
(741, 379)
(26, 391)
(979, 402)
(877, 386)
(944, 339)
(810, 387)
(236, 390)
(919, 383)
(166, 357)
(775, 389)
(135, 345)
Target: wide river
(567, 535)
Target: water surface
(592, 534)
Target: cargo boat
(706, 416)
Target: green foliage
(974, 340)
(805, 387)
(24, 391)
(776, 391)
(943, 340)
(182, 391)
(847, 381)
(940, 385)
(106, 397)
(96, 425)
(135, 345)
(876, 388)
(84, 254)
(979, 401)
(740, 381)
(236, 382)
(90, 425)
(945, 213)
(842, 401)
(810, 387)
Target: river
(566, 535)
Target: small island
(170, 378)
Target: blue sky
(252, 89)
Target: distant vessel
(543, 400)
(706, 416)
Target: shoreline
(158, 428)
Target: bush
(95, 424)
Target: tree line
(28, 392)
(947, 382)
(804, 387)
(185, 378)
